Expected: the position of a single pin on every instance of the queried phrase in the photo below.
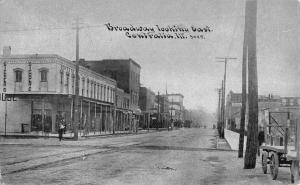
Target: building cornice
(53, 58)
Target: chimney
(6, 51)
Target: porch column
(43, 115)
(105, 119)
(89, 118)
(100, 118)
(95, 119)
(148, 121)
(80, 122)
(71, 115)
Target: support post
(5, 121)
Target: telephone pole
(115, 110)
(76, 101)
(244, 95)
(225, 60)
(158, 117)
(219, 112)
(252, 131)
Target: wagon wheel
(264, 161)
(294, 171)
(274, 164)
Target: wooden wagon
(281, 147)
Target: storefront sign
(3, 97)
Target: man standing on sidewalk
(261, 139)
(61, 130)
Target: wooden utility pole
(244, 94)
(115, 109)
(5, 119)
(76, 101)
(148, 118)
(252, 131)
(222, 111)
(219, 112)
(225, 60)
(172, 109)
(158, 117)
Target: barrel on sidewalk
(24, 127)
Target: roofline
(129, 59)
(172, 94)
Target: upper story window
(101, 92)
(67, 79)
(107, 93)
(82, 86)
(95, 90)
(98, 91)
(291, 102)
(92, 85)
(284, 101)
(61, 77)
(18, 75)
(104, 93)
(43, 74)
(87, 87)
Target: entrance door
(41, 121)
(36, 120)
(47, 121)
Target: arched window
(18, 74)
(43, 74)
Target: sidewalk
(233, 139)
(86, 141)
(70, 135)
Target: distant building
(233, 110)
(42, 88)
(147, 105)
(122, 110)
(291, 104)
(176, 106)
(266, 104)
(164, 114)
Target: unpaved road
(185, 156)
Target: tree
(252, 136)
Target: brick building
(126, 72)
(147, 105)
(176, 106)
(122, 110)
(43, 87)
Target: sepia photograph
(149, 92)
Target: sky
(186, 66)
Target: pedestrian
(61, 131)
(261, 139)
(65, 126)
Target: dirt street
(185, 156)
